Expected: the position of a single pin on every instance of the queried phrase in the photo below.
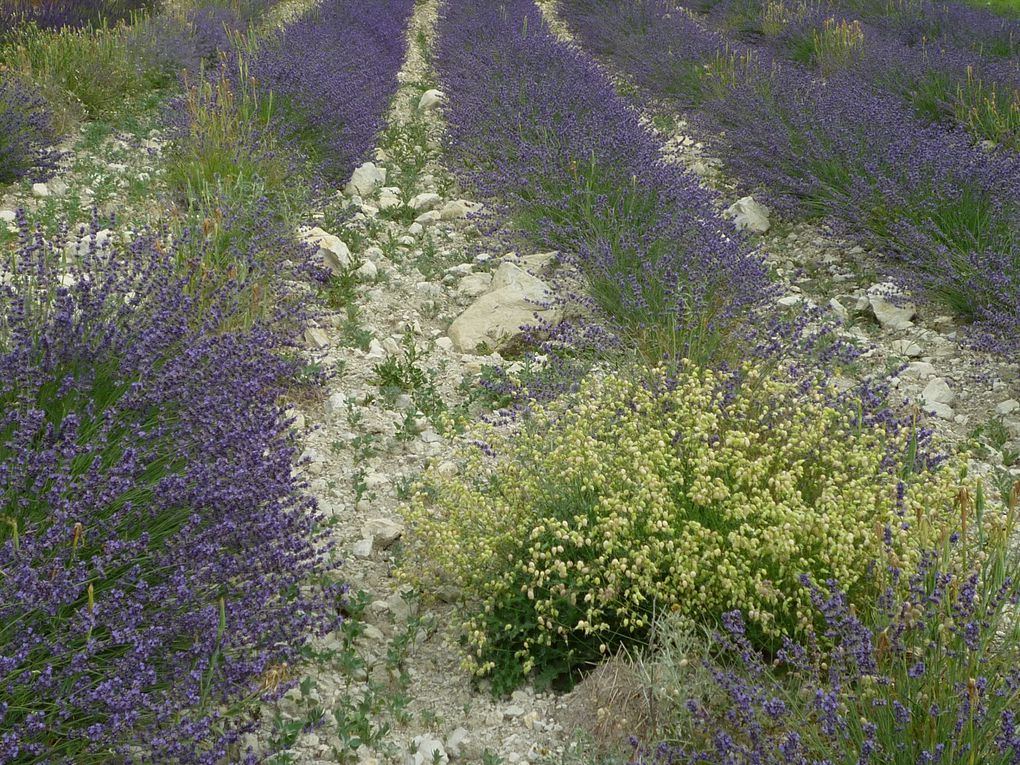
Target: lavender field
(510, 382)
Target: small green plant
(409, 429)
(994, 434)
(356, 726)
(429, 260)
(355, 415)
(408, 146)
(404, 487)
(364, 446)
(404, 374)
(360, 485)
(353, 334)
(342, 291)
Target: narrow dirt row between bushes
(408, 260)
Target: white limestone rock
(428, 218)
(906, 348)
(383, 532)
(840, 310)
(1008, 406)
(474, 285)
(367, 270)
(430, 99)
(892, 313)
(918, 369)
(366, 180)
(336, 404)
(424, 202)
(749, 215)
(332, 252)
(458, 209)
(316, 338)
(937, 391)
(515, 299)
(362, 548)
(388, 201)
(456, 741)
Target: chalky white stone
(315, 337)
(332, 252)
(749, 215)
(430, 99)
(1008, 406)
(424, 202)
(514, 299)
(891, 314)
(384, 532)
(366, 180)
(938, 392)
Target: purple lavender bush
(952, 23)
(75, 14)
(213, 25)
(537, 129)
(944, 212)
(942, 82)
(155, 547)
(332, 75)
(930, 677)
(25, 127)
(918, 23)
(623, 33)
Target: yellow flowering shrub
(694, 494)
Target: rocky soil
(428, 304)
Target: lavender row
(916, 23)
(332, 75)
(60, 14)
(906, 688)
(954, 23)
(536, 128)
(941, 81)
(155, 543)
(944, 212)
(26, 126)
(50, 79)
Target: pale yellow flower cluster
(698, 496)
